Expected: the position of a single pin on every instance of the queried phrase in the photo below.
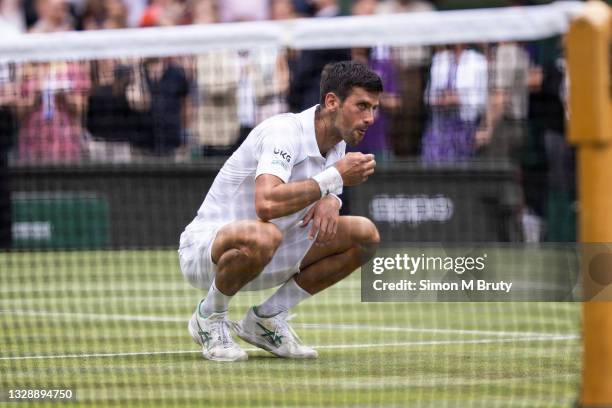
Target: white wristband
(330, 181)
(337, 198)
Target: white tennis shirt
(284, 145)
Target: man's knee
(364, 232)
(261, 242)
(366, 238)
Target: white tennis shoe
(274, 335)
(213, 334)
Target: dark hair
(341, 77)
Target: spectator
(364, 7)
(53, 16)
(12, 18)
(239, 10)
(93, 16)
(8, 97)
(307, 66)
(135, 10)
(273, 87)
(159, 91)
(303, 8)
(272, 98)
(505, 129)
(282, 10)
(110, 14)
(51, 107)
(457, 95)
(111, 122)
(561, 176)
(215, 125)
(229, 93)
(250, 93)
(204, 12)
(376, 140)
(411, 63)
(164, 13)
(404, 6)
(325, 8)
(547, 161)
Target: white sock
(214, 302)
(287, 296)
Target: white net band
(430, 28)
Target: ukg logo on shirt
(279, 152)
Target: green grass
(83, 313)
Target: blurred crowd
(442, 104)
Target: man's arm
(274, 199)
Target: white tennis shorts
(196, 263)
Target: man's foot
(213, 334)
(274, 335)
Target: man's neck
(325, 133)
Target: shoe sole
(196, 338)
(255, 342)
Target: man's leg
(240, 250)
(355, 243)
(265, 326)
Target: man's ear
(332, 102)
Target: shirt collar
(307, 119)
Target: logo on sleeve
(286, 156)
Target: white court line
(426, 330)
(326, 347)
(334, 326)
(433, 381)
(97, 316)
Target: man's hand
(324, 215)
(355, 168)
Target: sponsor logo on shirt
(281, 163)
(286, 156)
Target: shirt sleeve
(278, 151)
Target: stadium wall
(144, 206)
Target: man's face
(355, 115)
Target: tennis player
(271, 218)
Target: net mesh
(110, 140)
